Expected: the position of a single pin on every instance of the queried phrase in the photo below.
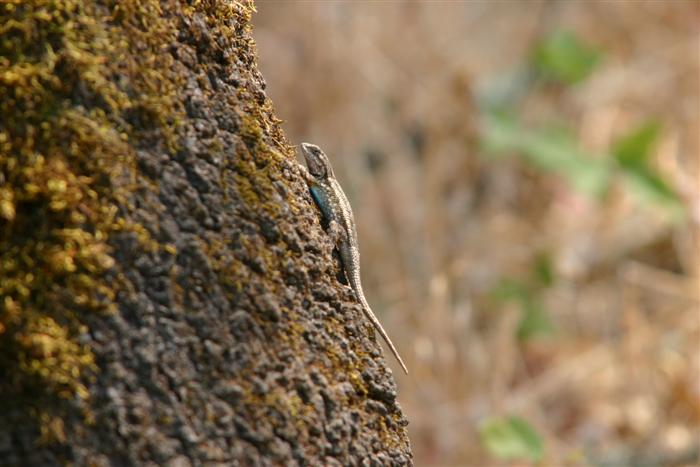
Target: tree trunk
(167, 293)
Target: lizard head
(316, 160)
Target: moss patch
(81, 85)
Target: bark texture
(167, 293)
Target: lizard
(336, 210)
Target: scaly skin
(336, 209)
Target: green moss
(250, 131)
(253, 174)
(73, 75)
(52, 235)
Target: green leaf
(558, 151)
(511, 438)
(510, 289)
(633, 150)
(650, 187)
(564, 57)
(544, 270)
(550, 149)
(534, 320)
(501, 133)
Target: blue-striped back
(320, 196)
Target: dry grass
(393, 92)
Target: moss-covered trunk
(167, 294)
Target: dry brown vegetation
(517, 281)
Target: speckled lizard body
(336, 209)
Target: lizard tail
(378, 326)
(385, 336)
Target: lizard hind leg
(336, 232)
(338, 236)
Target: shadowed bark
(167, 293)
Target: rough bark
(168, 295)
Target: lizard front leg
(304, 172)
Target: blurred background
(524, 176)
